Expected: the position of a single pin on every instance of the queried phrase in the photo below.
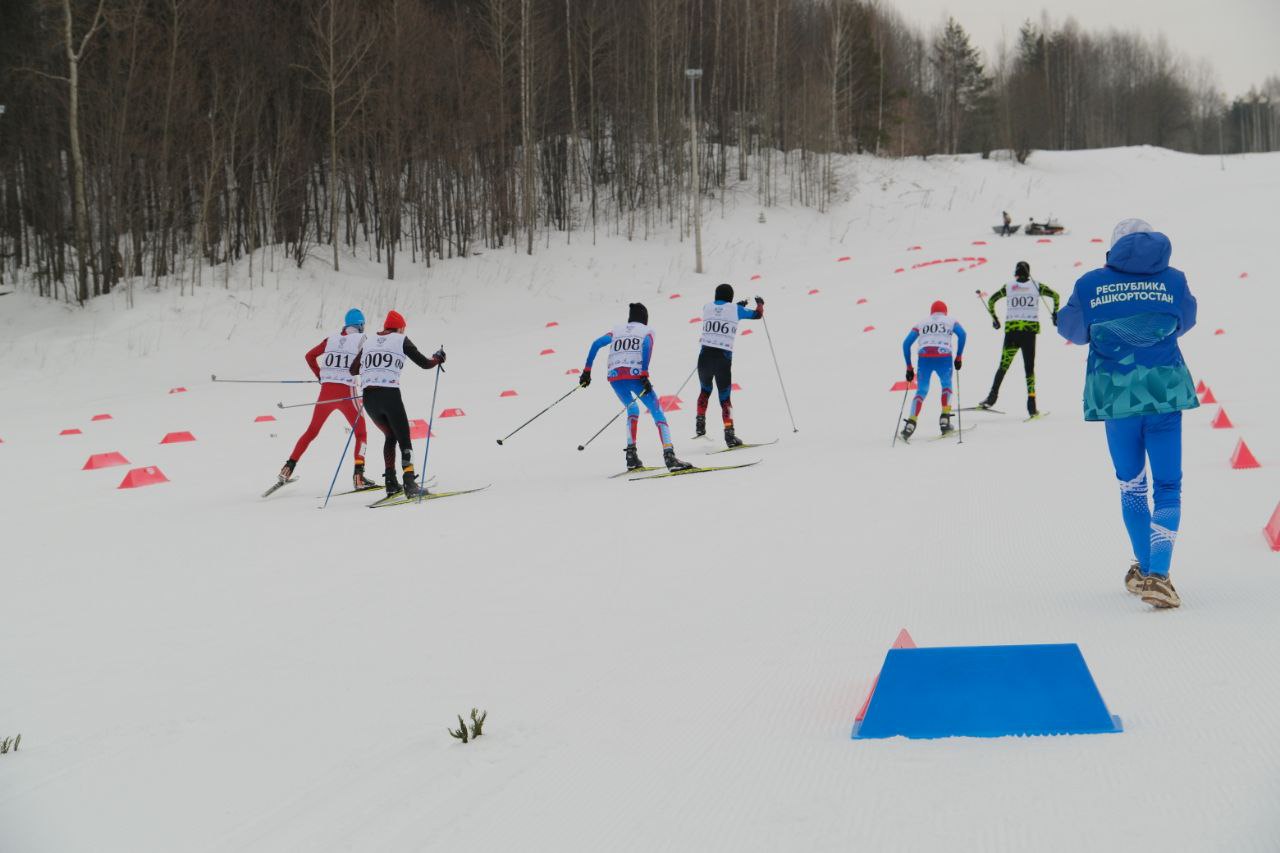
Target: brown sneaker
(1133, 579)
(1159, 592)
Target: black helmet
(724, 292)
(1022, 271)
(637, 313)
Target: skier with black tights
(1021, 325)
(380, 365)
(715, 359)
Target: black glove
(959, 362)
(911, 373)
(742, 303)
(1055, 318)
(585, 379)
(646, 387)
(995, 324)
(759, 302)
(439, 356)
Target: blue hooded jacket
(1131, 312)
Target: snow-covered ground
(667, 665)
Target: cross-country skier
(331, 361)
(1021, 325)
(630, 349)
(380, 366)
(1131, 312)
(934, 334)
(715, 359)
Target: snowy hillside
(667, 665)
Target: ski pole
(316, 403)
(779, 369)
(343, 457)
(686, 380)
(959, 409)
(535, 417)
(430, 421)
(901, 409)
(584, 445)
(214, 378)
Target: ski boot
(359, 482)
(286, 472)
(944, 422)
(411, 489)
(700, 426)
(633, 458)
(1032, 412)
(987, 404)
(908, 427)
(1133, 578)
(1159, 592)
(392, 484)
(674, 464)
(730, 438)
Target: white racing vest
(1022, 300)
(936, 332)
(339, 354)
(626, 354)
(383, 360)
(719, 325)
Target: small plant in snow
(477, 726)
(761, 218)
(10, 743)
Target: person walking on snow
(934, 334)
(380, 365)
(630, 350)
(715, 359)
(1008, 224)
(1131, 313)
(331, 361)
(1021, 325)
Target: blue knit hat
(354, 318)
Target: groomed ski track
(667, 666)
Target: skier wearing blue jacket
(1131, 313)
(630, 349)
(934, 334)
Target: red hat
(395, 321)
(938, 307)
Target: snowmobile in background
(999, 229)
(1047, 228)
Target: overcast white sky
(1241, 38)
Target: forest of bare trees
(150, 142)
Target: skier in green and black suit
(1022, 324)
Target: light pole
(695, 74)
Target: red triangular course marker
(979, 242)
(262, 419)
(813, 291)
(695, 319)
(547, 352)
(1201, 387)
(1221, 421)
(1095, 240)
(902, 385)
(1044, 240)
(509, 393)
(914, 248)
(1272, 530)
(1219, 331)
(101, 418)
(452, 413)
(71, 431)
(104, 460)
(1243, 457)
(746, 332)
(572, 371)
(178, 390)
(735, 387)
(177, 437)
(868, 328)
(842, 260)
(1207, 396)
(903, 641)
(552, 323)
(1244, 275)
(669, 403)
(418, 428)
(898, 270)
(140, 477)
(862, 301)
(755, 277)
(674, 296)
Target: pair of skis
(697, 469)
(1037, 416)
